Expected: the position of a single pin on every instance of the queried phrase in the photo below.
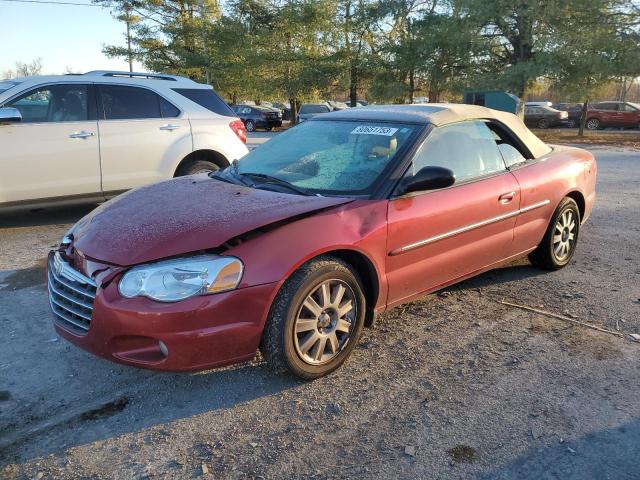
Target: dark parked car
(255, 117)
(613, 114)
(309, 110)
(285, 108)
(574, 112)
(544, 117)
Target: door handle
(169, 126)
(506, 197)
(81, 134)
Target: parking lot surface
(455, 385)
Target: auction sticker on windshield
(371, 130)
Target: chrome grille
(71, 295)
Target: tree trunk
(353, 84)
(412, 85)
(294, 110)
(583, 117)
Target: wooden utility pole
(127, 19)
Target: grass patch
(624, 138)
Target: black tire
(268, 129)
(196, 166)
(278, 345)
(593, 124)
(543, 123)
(250, 125)
(546, 255)
(571, 124)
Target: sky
(63, 36)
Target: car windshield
(7, 84)
(330, 157)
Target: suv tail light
(238, 128)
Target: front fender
(359, 226)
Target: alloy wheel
(564, 235)
(324, 322)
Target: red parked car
(613, 114)
(297, 246)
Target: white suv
(77, 138)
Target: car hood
(183, 215)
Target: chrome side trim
(467, 228)
(535, 205)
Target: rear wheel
(543, 123)
(560, 240)
(315, 320)
(197, 166)
(251, 126)
(593, 124)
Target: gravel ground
(456, 385)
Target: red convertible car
(297, 246)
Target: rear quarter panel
(215, 134)
(564, 171)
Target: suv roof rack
(149, 76)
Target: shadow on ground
(45, 216)
(607, 454)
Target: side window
(122, 102)
(207, 98)
(612, 107)
(53, 103)
(168, 109)
(629, 108)
(469, 149)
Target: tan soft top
(453, 112)
(441, 114)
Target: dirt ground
(629, 139)
(454, 386)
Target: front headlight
(180, 278)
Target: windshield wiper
(230, 175)
(268, 179)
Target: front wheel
(315, 320)
(560, 240)
(543, 123)
(593, 124)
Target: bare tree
(24, 69)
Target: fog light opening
(163, 348)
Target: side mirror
(429, 178)
(9, 114)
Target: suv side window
(629, 108)
(613, 107)
(469, 149)
(208, 99)
(121, 102)
(55, 103)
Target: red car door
(436, 237)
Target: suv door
(142, 137)
(438, 236)
(53, 152)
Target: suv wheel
(543, 123)
(593, 124)
(251, 126)
(315, 320)
(197, 166)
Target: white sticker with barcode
(371, 130)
